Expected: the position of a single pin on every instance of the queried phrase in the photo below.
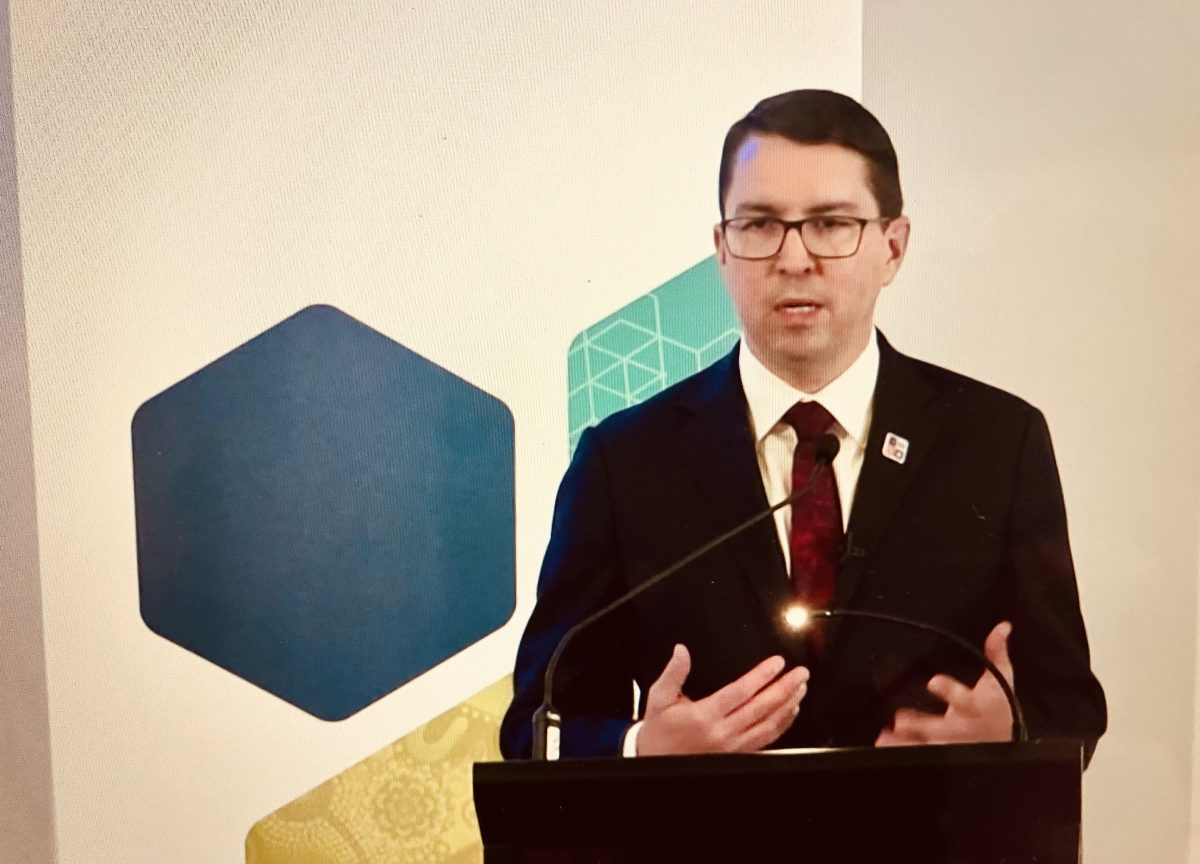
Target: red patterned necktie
(816, 537)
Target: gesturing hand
(747, 714)
(978, 713)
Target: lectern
(961, 804)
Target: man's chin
(805, 367)
(803, 350)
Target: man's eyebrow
(833, 207)
(757, 207)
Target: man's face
(807, 318)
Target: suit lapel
(905, 405)
(717, 444)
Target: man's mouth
(798, 306)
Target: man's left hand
(978, 713)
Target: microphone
(797, 617)
(826, 451)
(547, 722)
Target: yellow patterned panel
(410, 802)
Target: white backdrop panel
(478, 181)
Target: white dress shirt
(849, 398)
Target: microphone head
(827, 449)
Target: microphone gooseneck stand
(1020, 732)
(547, 721)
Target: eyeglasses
(758, 237)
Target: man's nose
(793, 254)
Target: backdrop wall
(477, 181)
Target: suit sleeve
(1048, 647)
(581, 572)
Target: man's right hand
(745, 715)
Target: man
(943, 504)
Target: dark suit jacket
(970, 530)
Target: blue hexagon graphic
(324, 513)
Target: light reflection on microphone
(796, 616)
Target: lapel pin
(895, 448)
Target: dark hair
(820, 117)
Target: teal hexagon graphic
(646, 346)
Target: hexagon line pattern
(324, 513)
(657, 340)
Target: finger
(950, 690)
(770, 726)
(917, 727)
(668, 687)
(995, 648)
(734, 694)
(768, 731)
(892, 738)
(888, 738)
(783, 693)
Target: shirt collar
(847, 397)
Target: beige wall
(1195, 827)
(1049, 153)
(26, 810)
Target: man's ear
(896, 237)
(720, 246)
